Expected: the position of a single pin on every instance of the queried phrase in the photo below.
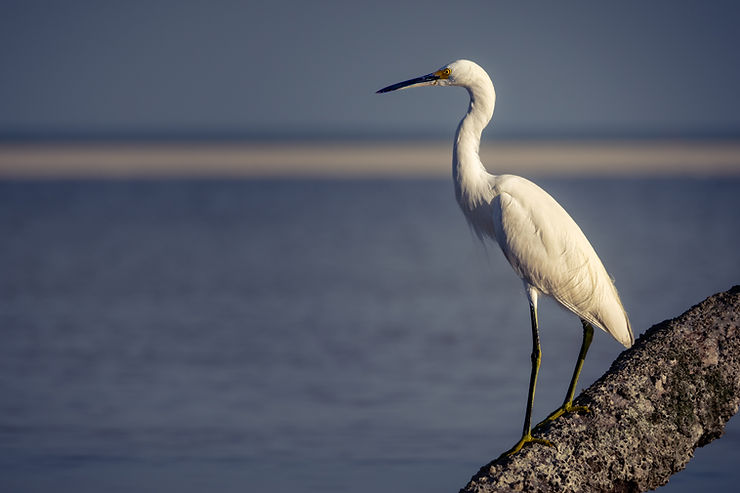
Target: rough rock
(672, 392)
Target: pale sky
(289, 68)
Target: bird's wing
(537, 237)
(549, 252)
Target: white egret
(546, 248)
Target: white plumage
(550, 253)
(546, 248)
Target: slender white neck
(467, 169)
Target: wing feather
(549, 252)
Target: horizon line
(9, 136)
(364, 159)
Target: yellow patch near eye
(443, 74)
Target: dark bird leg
(568, 407)
(536, 358)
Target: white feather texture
(540, 240)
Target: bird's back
(550, 253)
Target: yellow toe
(528, 438)
(564, 409)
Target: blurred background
(228, 264)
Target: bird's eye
(446, 72)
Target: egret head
(458, 73)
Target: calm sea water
(317, 336)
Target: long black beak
(424, 80)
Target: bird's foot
(565, 408)
(528, 438)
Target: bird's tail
(613, 319)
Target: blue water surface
(313, 335)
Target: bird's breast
(477, 211)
